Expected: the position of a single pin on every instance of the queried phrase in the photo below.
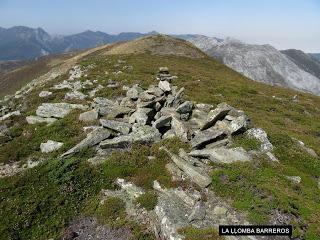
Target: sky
(281, 23)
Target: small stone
(294, 179)
(50, 146)
(75, 95)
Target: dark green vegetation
(39, 203)
(148, 200)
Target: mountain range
(264, 63)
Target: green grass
(39, 203)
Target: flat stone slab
(206, 137)
(37, 119)
(57, 110)
(217, 114)
(141, 134)
(222, 154)
(121, 127)
(93, 138)
(89, 116)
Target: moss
(148, 200)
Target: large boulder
(50, 146)
(93, 138)
(222, 154)
(57, 110)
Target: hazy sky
(281, 23)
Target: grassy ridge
(256, 188)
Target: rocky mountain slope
(266, 64)
(315, 56)
(305, 61)
(110, 143)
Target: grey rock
(162, 121)
(217, 114)
(141, 134)
(141, 116)
(102, 102)
(156, 91)
(146, 97)
(185, 107)
(198, 212)
(121, 127)
(93, 138)
(75, 95)
(169, 134)
(9, 115)
(37, 119)
(45, 94)
(261, 135)
(306, 149)
(294, 179)
(57, 110)
(196, 174)
(134, 92)
(50, 146)
(180, 129)
(239, 124)
(202, 138)
(114, 111)
(89, 116)
(164, 86)
(222, 154)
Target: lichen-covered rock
(75, 95)
(141, 116)
(185, 107)
(134, 92)
(260, 135)
(43, 94)
(162, 121)
(164, 86)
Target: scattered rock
(308, 150)
(75, 95)
(294, 179)
(261, 135)
(50, 146)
